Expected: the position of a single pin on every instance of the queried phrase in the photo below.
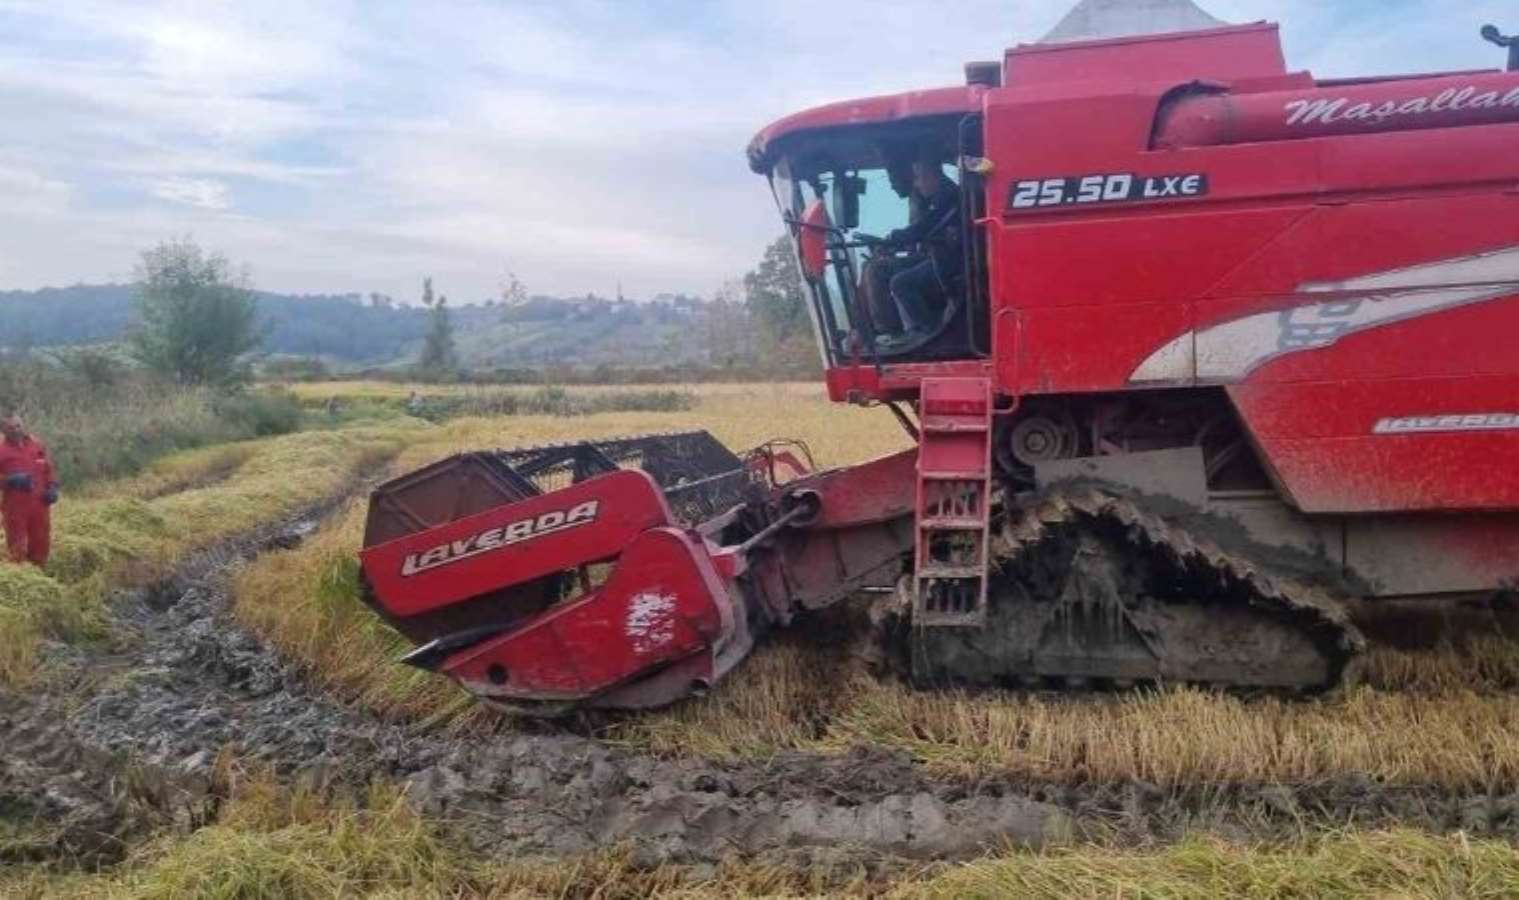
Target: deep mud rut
(123, 740)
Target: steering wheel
(862, 240)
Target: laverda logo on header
(1425, 424)
(504, 536)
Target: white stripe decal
(1231, 350)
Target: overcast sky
(335, 146)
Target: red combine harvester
(1222, 357)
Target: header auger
(1217, 362)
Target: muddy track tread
(1029, 525)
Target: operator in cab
(880, 309)
(920, 291)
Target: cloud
(202, 193)
(344, 146)
(31, 195)
(22, 183)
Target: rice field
(1443, 718)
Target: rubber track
(1026, 527)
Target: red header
(514, 543)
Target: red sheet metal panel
(1241, 51)
(663, 602)
(593, 520)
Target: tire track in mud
(125, 741)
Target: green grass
(31, 605)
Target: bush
(105, 420)
(294, 368)
(260, 413)
(96, 367)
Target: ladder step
(976, 618)
(955, 421)
(934, 427)
(959, 572)
(952, 523)
(979, 475)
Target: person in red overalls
(28, 487)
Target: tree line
(196, 318)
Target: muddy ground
(123, 740)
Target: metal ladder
(953, 502)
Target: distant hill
(340, 328)
(352, 331)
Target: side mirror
(1492, 35)
(846, 200)
(812, 239)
